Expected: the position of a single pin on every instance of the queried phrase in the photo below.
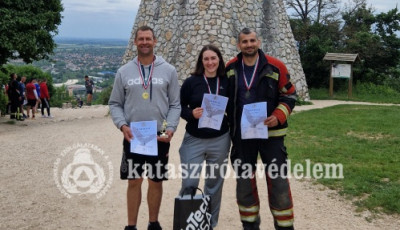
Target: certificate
(144, 138)
(213, 111)
(252, 123)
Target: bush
(3, 102)
(367, 92)
(60, 96)
(104, 96)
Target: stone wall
(183, 27)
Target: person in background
(89, 89)
(14, 97)
(145, 89)
(257, 77)
(37, 86)
(45, 98)
(205, 144)
(23, 98)
(32, 97)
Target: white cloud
(98, 18)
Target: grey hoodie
(126, 102)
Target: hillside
(74, 57)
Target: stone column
(183, 27)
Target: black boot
(252, 225)
(154, 226)
(130, 227)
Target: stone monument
(183, 27)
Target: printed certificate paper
(144, 138)
(213, 111)
(252, 123)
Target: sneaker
(44, 116)
(154, 226)
(50, 116)
(130, 228)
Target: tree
(374, 38)
(27, 29)
(313, 11)
(315, 26)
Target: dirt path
(30, 199)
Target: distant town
(74, 58)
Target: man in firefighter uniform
(257, 77)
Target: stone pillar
(183, 27)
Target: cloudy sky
(115, 18)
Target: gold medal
(145, 95)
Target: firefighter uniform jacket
(273, 86)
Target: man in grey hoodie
(145, 89)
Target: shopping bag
(192, 212)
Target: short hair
(12, 75)
(86, 76)
(145, 28)
(200, 67)
(246, 31)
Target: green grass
(366, 92)
(365, 139)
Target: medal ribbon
(248, 85)
(209, 89)
(142, 74)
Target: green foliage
(367, 92)
(29, 72)
(26, 70)
(27, 29)
(60, 96)
(3, 102)
(300, 102)
(104, 96)
(373, 37)
(349, 135)
(57, 95)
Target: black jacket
(273, 86)
(192, 91)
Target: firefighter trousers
(244, 155)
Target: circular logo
(83, 169)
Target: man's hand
(127, 133)
(166, 140)
(271, 121)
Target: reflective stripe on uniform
(277, 132)
(252, 218)
(274, 76)
(249, 214)
(284, 218)
(230, 73)
(284, 109)
(285, 223)
(254, 208)
(287, 212)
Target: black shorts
(21, 102)
(134, 165)
(89, 91)
(31, 103)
